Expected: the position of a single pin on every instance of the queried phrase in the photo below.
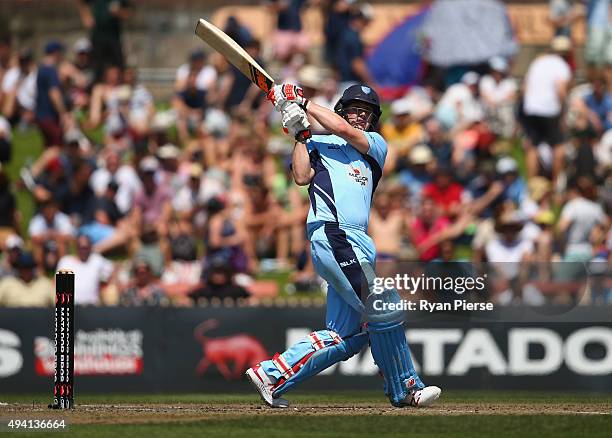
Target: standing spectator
(598, 50)
(50, 224)
(237, 31)
(498, 93)
(289, 38)
(336, 13)
(92, 271)
(349, 56)
(563, 14)
(103, 18)
(545, 90)
(51, 112)
(27, 289)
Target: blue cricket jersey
(344, 181)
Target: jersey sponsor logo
(334, 146)
(348, 263)
(357, 175)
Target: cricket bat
(239, 58)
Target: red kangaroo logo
(243, 350)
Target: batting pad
(392, 355)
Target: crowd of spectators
(193, 197)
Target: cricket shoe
(422, 397)
(265, 386)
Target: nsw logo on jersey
(358, 175)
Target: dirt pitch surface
(326, 415)
(160, 413)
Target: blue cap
(53, 46)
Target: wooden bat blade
(236, 55)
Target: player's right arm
(301, 169)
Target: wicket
(63, 379)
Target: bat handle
(304, 135)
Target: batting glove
(295, 122)
(281, 95)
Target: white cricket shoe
(264, 386)
(422, 397)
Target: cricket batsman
(342, 170)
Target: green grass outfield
(355, 414)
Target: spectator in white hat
(403, 131)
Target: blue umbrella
(464, 32)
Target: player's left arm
(337, 125)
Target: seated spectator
(386, 224)
(105, 97)
(425, 225)
(144, 288)
(578, 218)
(92, 271)
(498, 93)
(219, 284)
(421, 164)
(599, 102)
(50, 224)
(190, 200)
(206, 74)
(190, 105)
(19, 89)
(80, 201)
(152, 204)
(124, 175)
(515, 188)
(142, 108)
(403, 131)
(182, 274)
(438, 141)
(168, 175)
(27, 289)
(459, 102)
(226, 238)
(12, 248)
(508, 254)
(445, 192)
(9, 215)
(84, 64)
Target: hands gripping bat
(239, 58)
